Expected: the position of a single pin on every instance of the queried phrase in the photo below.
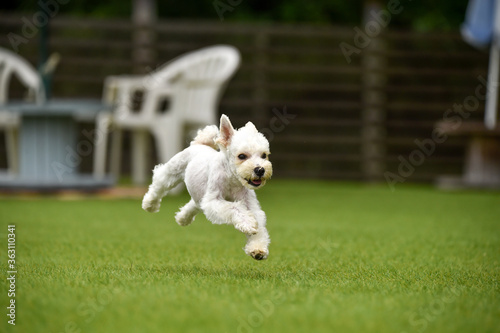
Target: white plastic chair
(11, 65)
(192, 84)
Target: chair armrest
(120, 80)
(115, 85)
(119, 91)
(153, 98)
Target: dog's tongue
(257, 181)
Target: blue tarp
(477, 30)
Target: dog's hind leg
(185, 216)
(165, 177)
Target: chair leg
(140, 147)
(100, 145)
(116, 152)
(168, 138)
(11, 137)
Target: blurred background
(356, 99)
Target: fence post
(144, 16)
(373, 115)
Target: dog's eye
(264, 156)
(242, 156)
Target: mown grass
(344, 258)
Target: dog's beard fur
(245, 172)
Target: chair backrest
(197, 80)
(12, 64)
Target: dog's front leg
(220, 211)
(258, 244)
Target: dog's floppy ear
(226, 131)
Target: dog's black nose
(259, 171)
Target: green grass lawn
(343, 258)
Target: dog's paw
(152, 206)
(248, 228)
(183, 220)
(259, 254)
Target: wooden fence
(343, 120)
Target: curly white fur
(221, 169)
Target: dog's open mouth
(255, 182)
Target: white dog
(221, 170)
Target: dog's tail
(207, 136)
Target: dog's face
(247, 152)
